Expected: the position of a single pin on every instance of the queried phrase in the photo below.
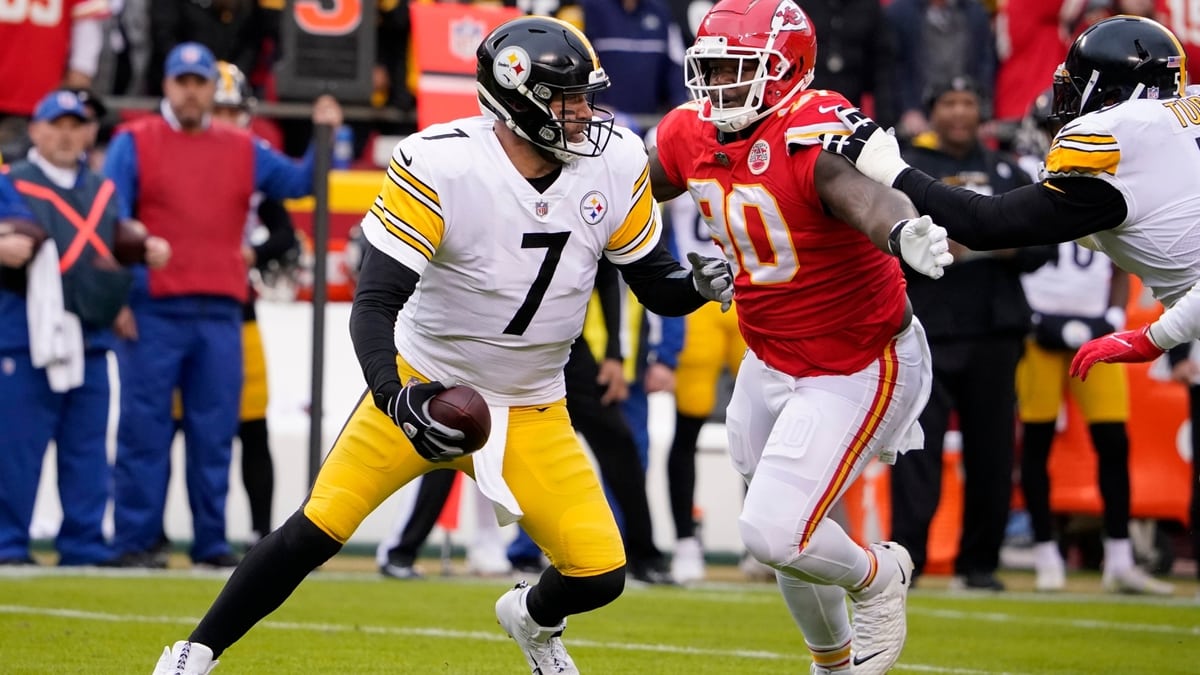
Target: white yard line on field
(65, 613)
(1000, 617)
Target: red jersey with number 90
(814, 295)
(35, 41)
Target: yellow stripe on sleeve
(402, 230)
(404, 177)
(640, 229)
(1071, 159)
(409, 208)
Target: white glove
(713, 279)
(873, 151)
(922, 245)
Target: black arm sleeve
(608, 288)
(383, 287)
(1179, 353)
(661, 284)
(281, 237)
(1050, 212)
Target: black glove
(713, 279)
(409, 409)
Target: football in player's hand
(461, 407)
(129, 243)
(26, 227)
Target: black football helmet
(522, 64)
(1118, 59)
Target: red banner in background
(445, 37)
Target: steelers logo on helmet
(511, 68)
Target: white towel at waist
(55, 335)
(489, 470)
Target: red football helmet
(769, 45)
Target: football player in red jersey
(838, 369)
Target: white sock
(820, 612)
(1118, 555)
(1046, 554)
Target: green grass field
(350, 622)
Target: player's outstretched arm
(1061, 208)
(886, 216)
(661, 284)
(661, 186)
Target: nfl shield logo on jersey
(540, 209)
(593, 207)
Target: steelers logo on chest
(593, 207)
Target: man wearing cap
(58, 302)
(976, 325)
(190, 182)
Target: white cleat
(1049, 567)
(1134, 580)
(542, 645)
(880, 622)
(687, 562)
(185, 658)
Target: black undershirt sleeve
(608, 289)
(383, 287)
(1053, 211)
(661, 284)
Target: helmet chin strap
(560, 156)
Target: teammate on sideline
(234, 104)
(485, 239)
(838, 369)
(1120, 178)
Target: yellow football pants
(1042, 379)
(545, 467)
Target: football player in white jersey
(485, 239)
(1079, 297)
(1120, 177)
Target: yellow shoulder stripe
(410, 211)
(405, 178)
(1071, 158)
(402, 230)
(638, 227)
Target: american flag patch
(1174, 61)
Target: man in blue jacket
(189, 315)
(59, 389)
